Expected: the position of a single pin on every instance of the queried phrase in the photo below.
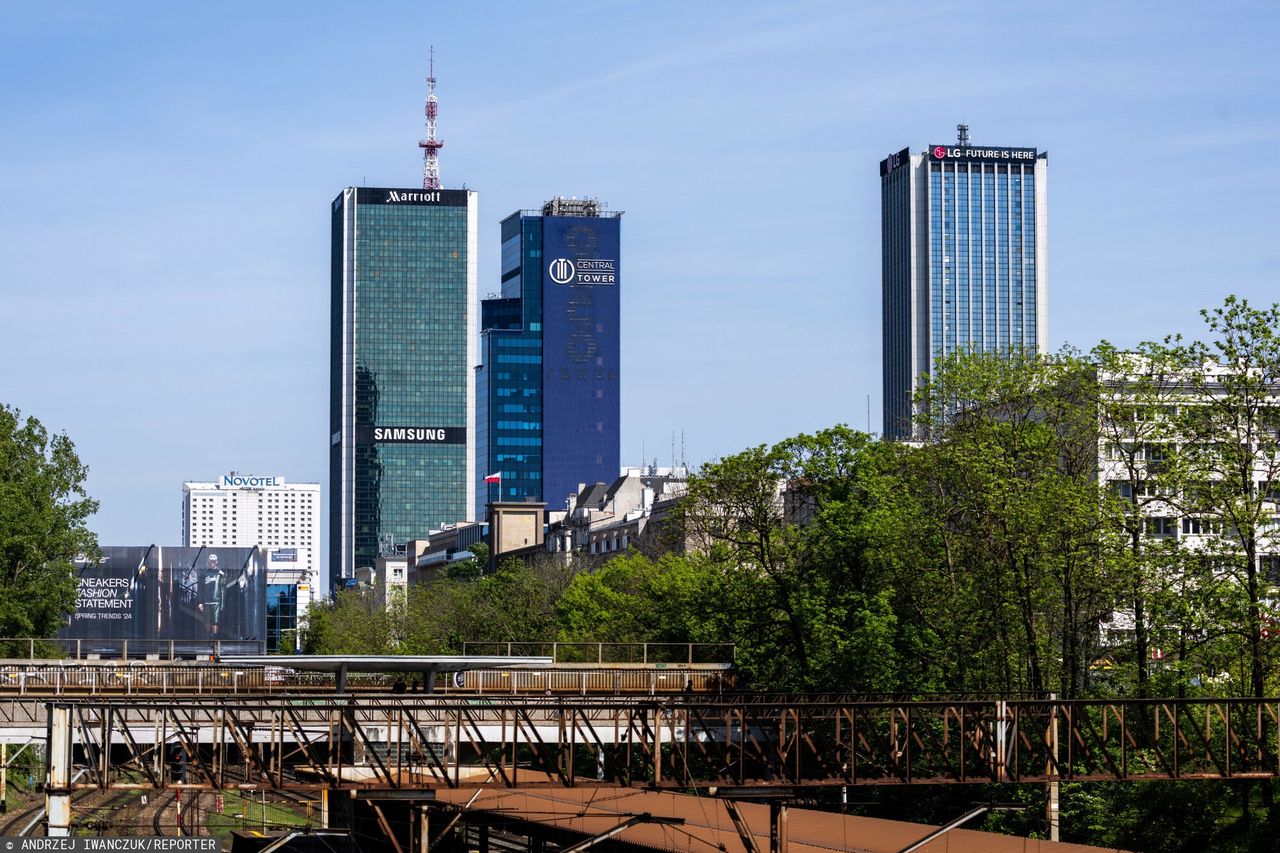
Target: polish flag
(494, 478)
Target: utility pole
(1051, 807)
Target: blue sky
(168, 170)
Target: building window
(1193, 526)
(1161, 526)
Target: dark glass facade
(548, 403)
(963, 238)
(402, 397)
(282, 615)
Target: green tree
(355, 622)
(44, 512)
(785, 531)
(1229, 426)
(634, 599)
(515, 604)
(1014, 460)
(1137, 395)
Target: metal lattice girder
(412, 742)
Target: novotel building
(547, 387)
(403, 347)
(964, 234)
(279, 517)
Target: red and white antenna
(431, 146)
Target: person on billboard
(215, 583)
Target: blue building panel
(580, 369)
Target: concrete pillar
(57, 792)
(424, 830)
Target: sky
(168, 170)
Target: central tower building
(965, 248)
(548, 405)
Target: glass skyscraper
(402, 352)
(547, 389)
(964, 243)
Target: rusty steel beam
(513, 741)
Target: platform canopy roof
(389, 663)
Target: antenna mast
(431, 146)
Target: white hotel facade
(281, 518)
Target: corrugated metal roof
(709, 829)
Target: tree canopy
(1089, 525)
(44, 512)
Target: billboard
(580, 353)
(982, 155)
(156, 593)
(893, 161)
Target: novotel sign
(985, 155)
(237, 481)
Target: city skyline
(736, 138)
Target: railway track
(27, 820)
(17, 824)
(164, 801)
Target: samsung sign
(414, 435)
(984, 155)
(236, 481)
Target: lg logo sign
(561, 271)
(939, 152)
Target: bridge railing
(394, 741)
(43, 648)
(46, 648)
(607, 653)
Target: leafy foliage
(44, 512)
(1001, 554)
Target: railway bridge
(412, 750)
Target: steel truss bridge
(413, 743)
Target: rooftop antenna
(431, 146)
(963, 131)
